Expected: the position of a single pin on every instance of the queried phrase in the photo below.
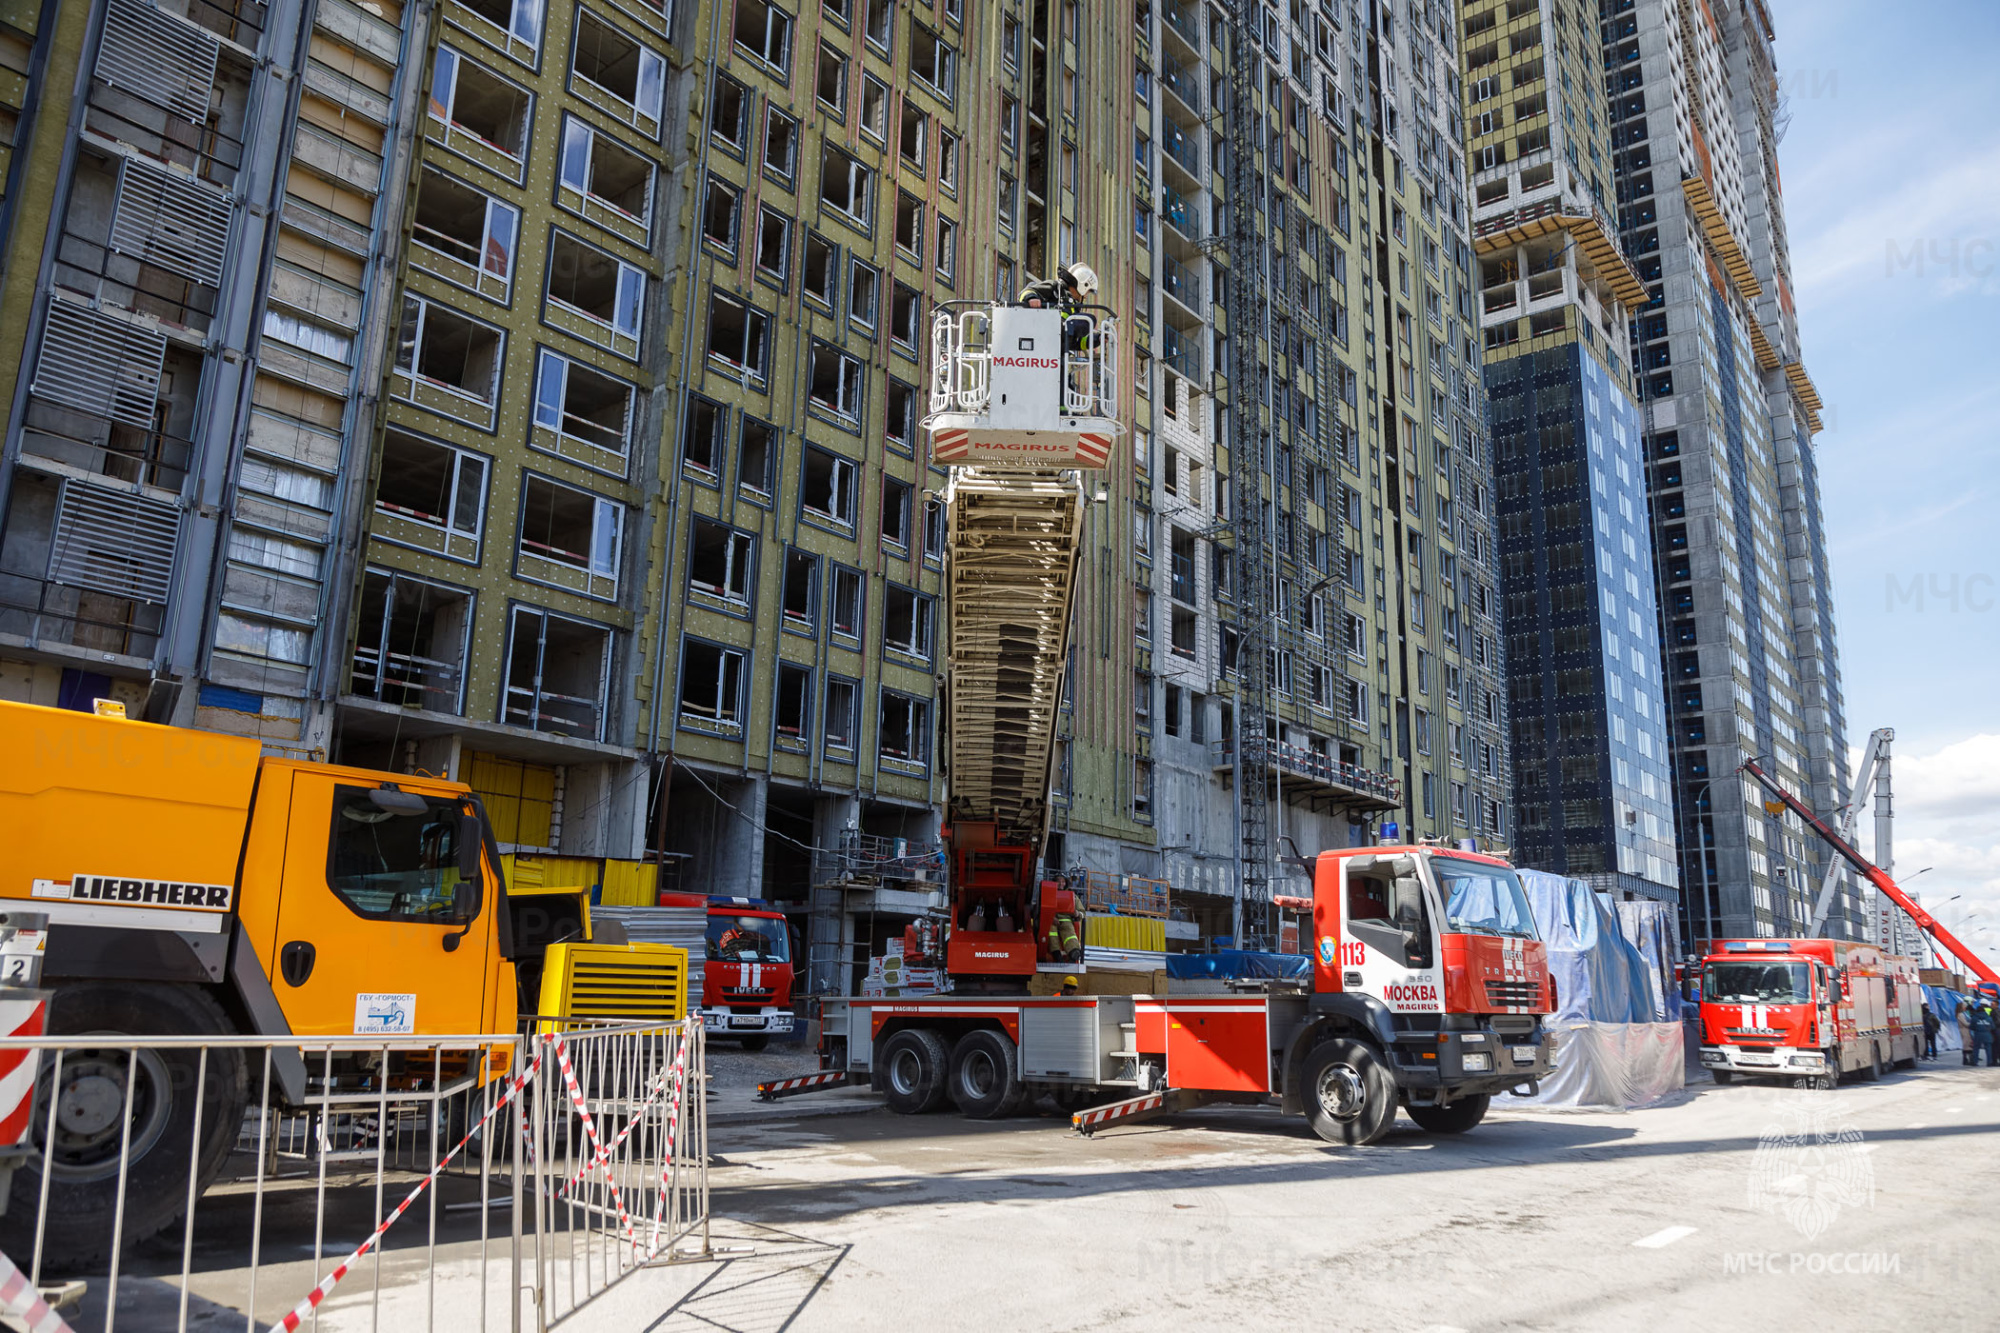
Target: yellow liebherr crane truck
(196, 887)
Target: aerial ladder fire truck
(1815, 1009)
(1428, 983)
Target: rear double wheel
(1350, 1094)
(914, 1066)
(986, 1075)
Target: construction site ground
(1743, 1207)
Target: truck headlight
(1477, 1062)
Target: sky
(1891, 176)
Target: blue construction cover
(1944, 1003)
(1235, 964)
(1649, 926)
(1599, 976)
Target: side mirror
(471, 834)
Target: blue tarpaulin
(1236, 964)
(1614, 1045)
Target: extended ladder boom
(1023, 409)
(1873, 874)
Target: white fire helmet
(1084, 278)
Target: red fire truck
(1427, 983)
(746, 988)
(1427, 991)
(1808, 1010)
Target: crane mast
(1023, 409)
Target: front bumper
(1782, 1060)
(1474, 1062)
(737, 1022)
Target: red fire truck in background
(1809, 1010)
(746, 987)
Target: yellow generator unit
(613, 983)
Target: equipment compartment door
(371, 893)
(1218, 1047)
(1059, 1041)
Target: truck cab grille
(1513, 992)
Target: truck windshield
(1482, 899)
(748, 939)
(1761, 982)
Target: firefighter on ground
(1070, 986)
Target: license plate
(1757, 1059)
(753, 1021)
(1524, 1055)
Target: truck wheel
(1721, 1075)
(756, 1042)
(986, 1075)
(89, 1111)
(1460, 1116)
(1349, 1094)
(914, 1064)
(1872, 1071)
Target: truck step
(792, 1087)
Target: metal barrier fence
(480, 1182)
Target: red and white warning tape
(1098, 1115)
(674, 1109)
(597, 1150)
(327, 1283)
(20, 1299)
(601, 1153)
(604, 1154)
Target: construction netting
(1618, 1017)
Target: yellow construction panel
(622, 983)
(1137, 933)
(630, 884)
(520, 798)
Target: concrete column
(739, 842)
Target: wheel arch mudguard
(1348, 1014)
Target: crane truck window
(747, 939)
(398, 860)
(1757, 983)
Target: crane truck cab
(1807, 1010)
(195, 887)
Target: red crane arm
(1873, 874)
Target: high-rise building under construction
(530, 390)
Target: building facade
(1751, 660)
(1592, 773)
(530, 392)
(1313, 578)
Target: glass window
(1760, 982)
(393, 856)
(748, 939)
(1482, 899)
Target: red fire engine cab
(746, 986)
(1808, 1010)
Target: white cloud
(1946, 804)
(1942, 213)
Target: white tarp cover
(1612, 1049)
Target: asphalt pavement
(1744, 1207)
